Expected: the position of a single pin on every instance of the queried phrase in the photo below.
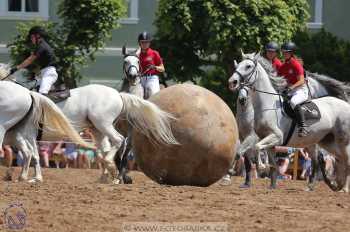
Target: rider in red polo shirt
(151, 65)
(293, 71)
(271, 50)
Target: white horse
(132, 74)
(21, 111)
(99, 107)
(331, 132)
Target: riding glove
(13, 70)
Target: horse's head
(131, 66)
(245, 71)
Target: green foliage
(324, 53)
(84, 28)
(196, 33)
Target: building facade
(107, 69)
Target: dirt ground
(72, 200)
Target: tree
(324, 53)
(206, 33)
(84, 28)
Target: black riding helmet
(288, 47)
(144, 36)
(36, 30)
(272, 46)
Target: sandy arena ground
(72, 200)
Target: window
(133, 8)
(24, 9)
(316, 14)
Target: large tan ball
(207, 131)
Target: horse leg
(102, 142)
(121, 160)
(37, 169)
(346, 153)
(313, 152)
(273, 168)
(248, 168)
(116, 141)
(268, 142)
(27, 156)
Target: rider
(297, 89)
(45, 57)
(151, 65)
(271, 50)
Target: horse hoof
(244, 186)
(309, 189)
(343, 191)
(272, 187)
(225, 181)
(116, 181)
(127, 179)
(35, 180)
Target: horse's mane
(334, 87)
(278, 83)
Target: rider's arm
(300, 82)
(159, 63)
(160, 68)
(27, 61)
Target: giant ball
(207, 132)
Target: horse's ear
(242, 53)
(235, 64)
(124, 50)
(257, 55)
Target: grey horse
(273, 125)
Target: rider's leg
(49, 77)
(151, 86)
(299, 96)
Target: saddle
(311, 112)
(59, 93)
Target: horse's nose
(232, 85)
(242, 101)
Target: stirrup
(302, 132)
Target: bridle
(126, 71)
(248, 76)
(248, 83)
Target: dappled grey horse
(273, 125)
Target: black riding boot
(302, 127)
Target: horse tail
(334, 87)
(54, 120)
(149, 119)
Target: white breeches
(299, 95)
(47, 77)
(150, 85)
